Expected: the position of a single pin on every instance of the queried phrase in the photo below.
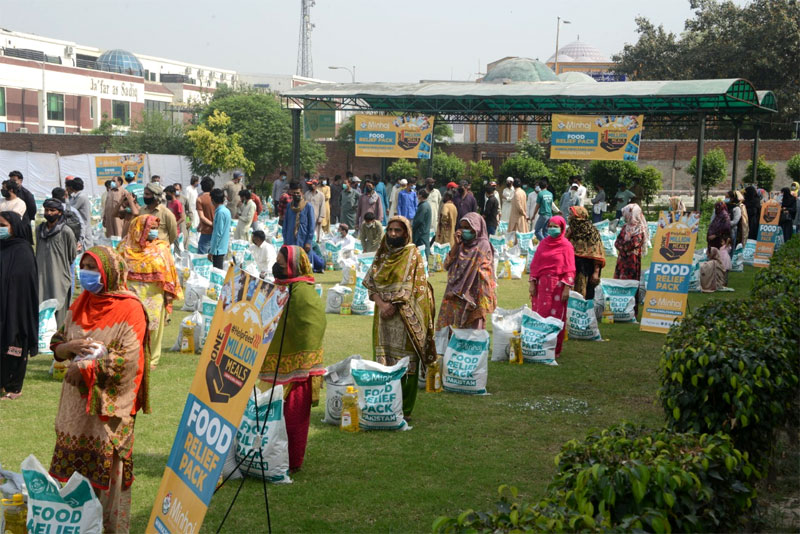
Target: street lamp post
(352, 72)
(558, 31)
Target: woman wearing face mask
(632, 243)
(151, 276)
(19, 303)
(590, 257)
(470, 294)
(300, 346)
(404, 316)
(553, 274)
(788, 212)
(105, 340)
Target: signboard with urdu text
(770, 234)
(237, 342)
(596, 137)
(670, 271)
(389, 136)
(109, 167)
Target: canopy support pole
(755, 154)
(735, 156)
(295, 144)
(699, 177)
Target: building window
(55, 107)
(91, 108)
(2, 101)
(2, 127)
(121, 111)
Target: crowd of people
(112, 334)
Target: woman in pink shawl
(553, 275)
(470, 294)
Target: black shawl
(19, 289)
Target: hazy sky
(386, 40)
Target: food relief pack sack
(737, 260)
(47, 324)
(499, 243)
(362, 305)
(621, 295)
(581, 319)
(439, 252)
(539, 337)
(525, 242)
(336, 295)
(272, 440)
(465, 366)
(52, 509)
(510, 268)
(337, 378)
(380, 395)
(504, 323)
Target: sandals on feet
(11, 396)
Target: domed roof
(120, 61)
(579, 52)
(574, 77)
(520, 69)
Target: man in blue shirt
(407, 201)
(298, 222)
(380, 188)
(221, 232)
(134, 188)
(544, 208)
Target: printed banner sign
(319, 121)
(670, 271)
(770, 234)
(596, 137)
(388, 136)
(108, 167)
(240, 334)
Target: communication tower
(305, 67)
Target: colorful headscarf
(470, 276)
(635, 223)
(554, 255)
(721, 225)
(150, 261)
(298, 267)
(584, 236)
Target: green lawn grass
(460, 449)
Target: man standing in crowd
(205, 214)
(232, 189)
(259, 208)
(221, 229)
(24, 195)
(434, 199)
(298, 222)
(349, 203)
(111, 220)
(247, 213)
(396, 188)
(134, 188)
(464, 200)
(80, 204)
(263, 253)
(175, 206)
(581, 189)
(370, 233)
(336, 199)
(406, 200)
(421, 225)
(369, 202)
(278, 189)
(380, 188)
(544, 208)
(317, 200)
(156, 179)
(569, 198)
(190, 195)
(491, 208)
(167, 225)
(623, 197)
(56, 249)
(518, 218)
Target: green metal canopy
(534, 102)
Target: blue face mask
(90, 280)
(467, 235)
(727, 201)
(152, 235)
(538, 189)
(5, 233)
(553, 231)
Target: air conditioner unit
(68, 50)
(188, 71)
(200, 73)
(22, 130)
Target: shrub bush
(402, 168)
(628, 478)
(715, 169)
(793, 168)
(730, 367)
(765, 173)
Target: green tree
(441, 131)
(447, 167)
(793, 168)
(214, 150)
(765, 173)
(106, 126)
(402, 168)
(609, 174)
(152, 133)
(524, 168)
(527, 147)
(561, 177)
(757, 41)
(265, 130)
(650, 179)
(479, 172)
(715, 169)
(346, 135)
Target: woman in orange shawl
(105, 338)
(590, 257)
(404, 306)
(151, 275)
